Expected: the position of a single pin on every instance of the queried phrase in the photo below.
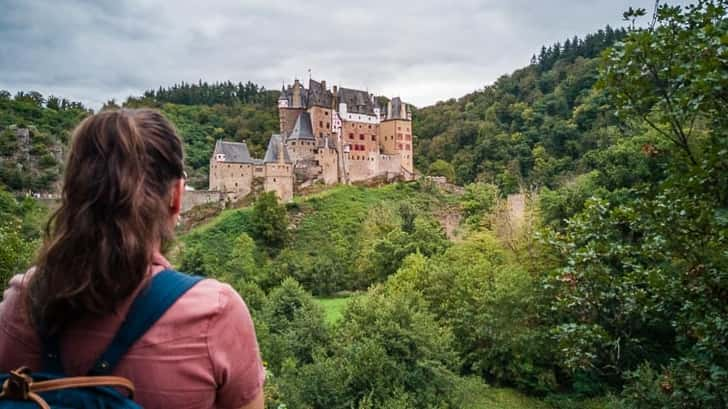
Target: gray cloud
(424, 50)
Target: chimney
(323, 84)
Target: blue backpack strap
(165, 288)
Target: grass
(333, 307)
(478, 395)
(326, 231)
(503, 398)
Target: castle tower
(395, 134)
(278, 169)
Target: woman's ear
(178, 190)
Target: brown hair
(114, 213)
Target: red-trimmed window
(361, 137)
(351, 136)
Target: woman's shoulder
(14, 321)
(213, 294)
(11, 300)
(208, 302)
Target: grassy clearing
(477, 395)
(333, 307)
(502, 398)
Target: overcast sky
(423, 51)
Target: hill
(530, 128)
(34, 133)
(332, 234)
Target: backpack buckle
(17, 386)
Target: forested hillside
(530, 128)
(34, 132)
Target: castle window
(326, 113)
(321, 124)
(407, 146)
(327, 125)
(361, 137)
(370, 127)
(374, 137)
(400, 146)
(351, 136)
(274, 179)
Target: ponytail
(114, 214)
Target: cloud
(424, 51)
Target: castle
(333, 136)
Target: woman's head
(121, 194)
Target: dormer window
(220, 157)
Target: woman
(122, 196)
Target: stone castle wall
(233, 177)
(194, 198)
(328, 162)
(279, 179)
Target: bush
(269, 222)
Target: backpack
(51, 389)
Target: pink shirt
(202, 353)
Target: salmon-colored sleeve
(233, 349)
(19, 344)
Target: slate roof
(235, 152)
(358, 102)
(303, 128)
(275, 144)
(318, 95)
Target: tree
(639, 294)
(269, 222)
(295, 326)
(442, 168)
(478, 202)
(655, 77)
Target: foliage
(488, 302)
(29, 165)
(478, 202)
(442, 168)
(530, 128)
(203, 93)
(637, 296)
(395, 349)
(269, 221)
(294, 326)
(20, 230)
